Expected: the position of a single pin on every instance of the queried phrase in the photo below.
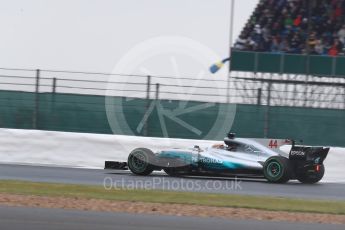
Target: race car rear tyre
(140, 161)
(277, 169)
(311, 177)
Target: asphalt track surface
(42, 219)
(109, 178)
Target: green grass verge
(205, 199)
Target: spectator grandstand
(283, 26)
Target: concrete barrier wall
(91, 150)
(77, 149)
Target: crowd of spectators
(283, 26)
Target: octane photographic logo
(180, 108)
(175, 184)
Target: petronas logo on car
(210, 161)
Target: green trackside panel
(173, 129)
(294, 64)
(75, 113)
(314, 126)
(321, 65)
(249, 121)
(340, 67)
(269, 63)
(243, 61)
(16, 109)
(289, 123)
(170, 118)
(202, 120)
(87, 113)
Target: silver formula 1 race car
(239, 157)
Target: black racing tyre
(140, 161)
(277, 169)
(311, 177)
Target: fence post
(53, 94)
(267, 111)
(256, 62)
(344, 97)
(334, 67)
(157, 92)
(148, 89)
(259, 96)
(37, 103)
(54, 85)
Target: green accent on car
(224, 166)
(186, 157)
(274, 169)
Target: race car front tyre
(140, 161)
(311, 177)
(277, 169)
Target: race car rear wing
(308, 153)
(297, 152)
